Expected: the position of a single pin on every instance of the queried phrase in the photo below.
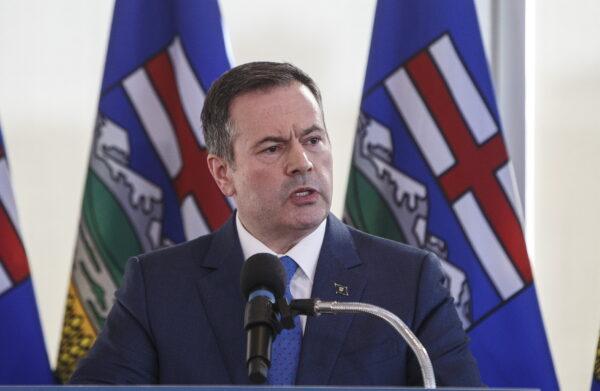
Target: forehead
(277, 109)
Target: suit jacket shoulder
(402, 279)
(177, 318)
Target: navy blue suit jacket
(178, 317)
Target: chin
(310, 221)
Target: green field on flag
(368, 210)
(109, 227)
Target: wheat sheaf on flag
(148, 184)
(596, 373)
(23, 358)
(430, 168)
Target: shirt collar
(305, 252)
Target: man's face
(281, 178)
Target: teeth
(302, 193)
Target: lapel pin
(341, 290)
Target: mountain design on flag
(148, 186)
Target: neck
(280, 247)
(279, 242)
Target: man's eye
(314, 140)
(271, 149)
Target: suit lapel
(222, 300)
(324, 335)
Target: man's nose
(298, 161)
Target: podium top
(246, 388)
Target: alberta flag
(430, 168)
(148, 184)
(23, 358)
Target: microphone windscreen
(263, 270)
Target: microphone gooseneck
(318, 307)
(262, 281)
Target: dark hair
(253, 76)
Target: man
(178, 317)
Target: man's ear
(221, 172)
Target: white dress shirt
(305, 253)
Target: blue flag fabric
(148, 183)
(23, 358)
(430, 168)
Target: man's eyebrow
(278, 139)
(314, 128)
(270, 139)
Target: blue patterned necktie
(285, 353)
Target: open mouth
(303, 193)
(304, 196)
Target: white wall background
(51, 62)
(566, 104)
